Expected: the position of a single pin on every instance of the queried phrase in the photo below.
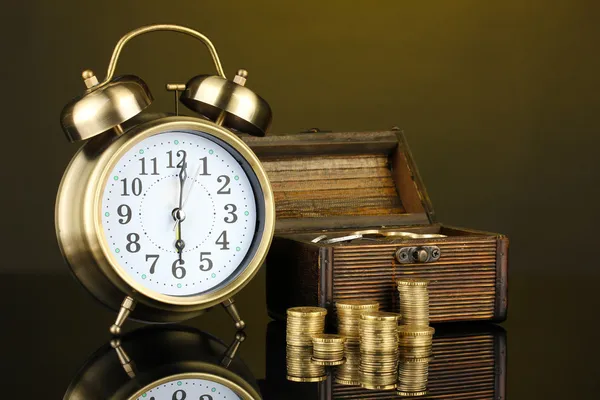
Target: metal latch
(418, 254)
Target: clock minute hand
(178, 213)
(182, 178)
(189, 191)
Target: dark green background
(499, 101)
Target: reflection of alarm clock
(165, 364)
(165, 218)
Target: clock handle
(231, 309)
(233, 349)
(112, 65)
(127, 307)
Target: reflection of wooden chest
(335, 184)
(465, 365)
(469, 362)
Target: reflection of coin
(341, 239)
(328, 363)
(319, 238)
(411, 394)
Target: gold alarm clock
(165, 363)
(161, 218)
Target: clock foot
(231, 309)
(232, 349)
(124, 359)
(127, 307)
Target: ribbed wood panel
(326, 186)
(462, 368)
(462, 282)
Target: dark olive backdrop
(499, 103)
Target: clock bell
(108, 104)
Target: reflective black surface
(51, 326)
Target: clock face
(180, 213)
(189, 389)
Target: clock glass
(181, 213)
(188, 389)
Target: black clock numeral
(136, 187)
(177, 269)
(180, 154)
(209, 263)
(204, 167)
(227, 180)
(153, 265)
(179, 395)
(222, 240)
(234, 216)
(206, 397)
(125, 212)
(132, 243)
(154, 166)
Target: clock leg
(127, 307)
(232, 349)
(231, 309)
(126, 362)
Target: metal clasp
(418, 254)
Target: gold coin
(310, 379)
(347, 382)
(412, 282)
(328, 338)
(331, 356)
(307, 311)
(411, 330)
(357, 305)
(411, 394)
(379, 316)
(378, 387)
(378, 369)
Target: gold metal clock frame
(98, 115)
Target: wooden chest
(336, 184)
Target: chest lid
(343, 180)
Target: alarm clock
(163, 217)
(165, 363)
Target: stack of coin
(412, 377)
(415, 341)
(349, 372)
(302, 324)
(328, 349)
(378, 350)
(300, 367)
(414, 301)
(348, 315)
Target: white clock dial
(190, 389)
(219, 201)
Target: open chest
(353, 216)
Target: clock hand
(182, 178)
(178, 214)
(189, 191)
